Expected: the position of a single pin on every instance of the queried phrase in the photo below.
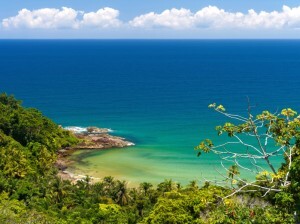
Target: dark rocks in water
(96, 130)
(101, 141)
(97, 138)
(88, 130)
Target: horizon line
(149, 39)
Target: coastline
(90, 138)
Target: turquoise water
(155, 93)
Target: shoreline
(90, 138)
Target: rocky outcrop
(98, 138)
(101, 141)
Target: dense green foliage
(30, 126)
(31, 191)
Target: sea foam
(79, 130)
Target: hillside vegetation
(31, 191)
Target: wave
(79, 130)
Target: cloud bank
(213, 17)
(179, 19)
(51, 18)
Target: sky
(150, 19)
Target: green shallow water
(145, 164)
(138, 164)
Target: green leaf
(213, 105)
(220, 108)
(288, 112)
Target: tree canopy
(31, 191)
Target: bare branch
(233, 116)
(248, 145)
(272, 134)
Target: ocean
(155, 93)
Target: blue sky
(150, 19)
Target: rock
(88, 130)
(96, 130)
(96, 138)
(61, 165)
(101, 141)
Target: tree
(261, 137)
(193, 185)
(121, 193)
(111, 213)
(14, 160)
(59, 189)
(172, 208)
(166, 186)
(145, 187)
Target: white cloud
(45, 18)
(213, 17)
(51, 18)
(174, 18)
(207, 17)
(106, 17)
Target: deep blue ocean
(153, 92)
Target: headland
(90, 138)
